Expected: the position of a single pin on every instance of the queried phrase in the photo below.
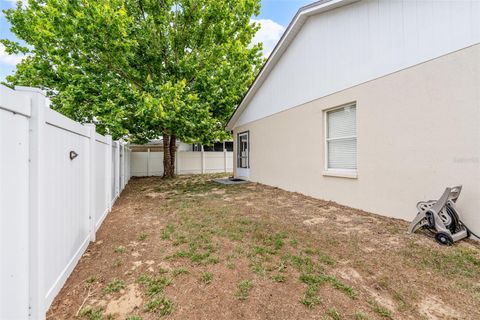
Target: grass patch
(310, 298)
(179, 271)
(261, 250)
(279, 278)
(326, 259)
(133, 318)
(114, 286)
(162, 270)
(318, 280)
(402, 303)
(91, 280)
(450, 262)
(301, 263)
(333, 313)
(143, 236)
(161, 305)
(277, 240)
(117, 263)
(203, 257)
(120, 249)
(337, 284)
(92, 313)
(206, 277)
(243, 289)
(258, 269)
(381, 311)
(167, 232)
(154, 285)
(314, 282)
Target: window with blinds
(341, 138)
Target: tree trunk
(168, 156)
(173, 150)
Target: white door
(243, 154)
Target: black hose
(456, 220)
(469, 230)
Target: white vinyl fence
(187, 162)
(58, 181)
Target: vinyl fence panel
(114, 174)
(140, 164)
(156, 164)
(101, 178)
(14, 130)
(216, 161)
(58, 180)
(189, 162)
(66, 199)
(149, 163)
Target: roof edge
(290, 32)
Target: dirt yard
(193, 249)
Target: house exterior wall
(418, 131)
(360, 42)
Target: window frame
(247, 133)
(338, 172)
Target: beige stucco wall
(418, 131)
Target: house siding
(360, 42)
(418, 132)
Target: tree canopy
(141, 68)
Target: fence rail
(58, 181)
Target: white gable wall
(360, 42)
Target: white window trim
(351, 174)
(331, 172)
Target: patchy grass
(279, 277)
(143, 236)
(117, 263)
(311, 298)
(120, 249)
(333, 314)
(178, 271)
(380, 310)
(337, 284)
(162, 306)
(167, 232)
(91, 313)
(114, 286)
(243, 289)
(154, 285)
(451, 262)
(361, 315)
(91, 280)
(206, 277)
(284, 255)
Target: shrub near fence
(58, 181)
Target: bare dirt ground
(192, 249)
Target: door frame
(243, 172)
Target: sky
(274, 17)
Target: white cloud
(270, 32)
(9, 59)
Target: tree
(145, 68)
